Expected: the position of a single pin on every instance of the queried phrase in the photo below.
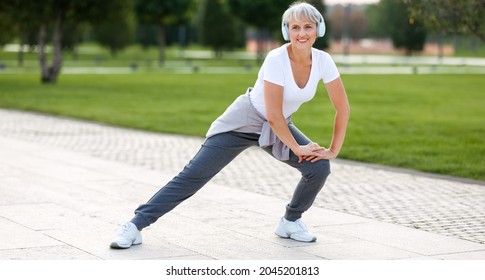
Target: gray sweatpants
(218, 151)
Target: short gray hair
(298, 10)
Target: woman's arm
(338, 97)
(273, 97)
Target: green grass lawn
(433, 123)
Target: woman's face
(302, 33)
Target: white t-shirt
(276, 69)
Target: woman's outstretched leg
(216, 152)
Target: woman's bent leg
(216, 152)
(313, 178)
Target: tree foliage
(260, 13)
(452, 16)
(375, 28)
(116, 30)
(163, 13)
(405, 31)
(264, 15)
(50, 19)
(146, 35)
(7, 26)
(218, 28)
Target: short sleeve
(273, 70)
(330, 71)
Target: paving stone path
(438, 204)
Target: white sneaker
(295, 230)
(126, 236)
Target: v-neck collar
(291, 69)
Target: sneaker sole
(116, 245)
(283, 234)
(299, 240)
(308, 241)
(122, 246)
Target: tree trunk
(20, 55)
(57, 48)
(42, 56)
(50, 74)
(161, 55)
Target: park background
(413, 70)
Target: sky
(332, 2)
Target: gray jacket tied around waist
(241, 116)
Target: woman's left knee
(319, 169)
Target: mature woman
(261, 117)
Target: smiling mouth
(302, 40)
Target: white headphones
(286, 31)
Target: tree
(146, 35)
(265, 15)
(375, 28)
(7, 26)
(260, 13)
(452, 16)
(405, 31)
(114, 35)
(52, 12)
(116, 31)
(50, 17)
(163, 13)
(72, 35)
(19, 23)
(216, 21)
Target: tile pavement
(66, 184)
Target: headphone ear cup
(285, 31)
(321, 28)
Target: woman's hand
(317, 153)
(313, 152)
(322, 153)
(304, 152)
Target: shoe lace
(301, 225)
(124, 229)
